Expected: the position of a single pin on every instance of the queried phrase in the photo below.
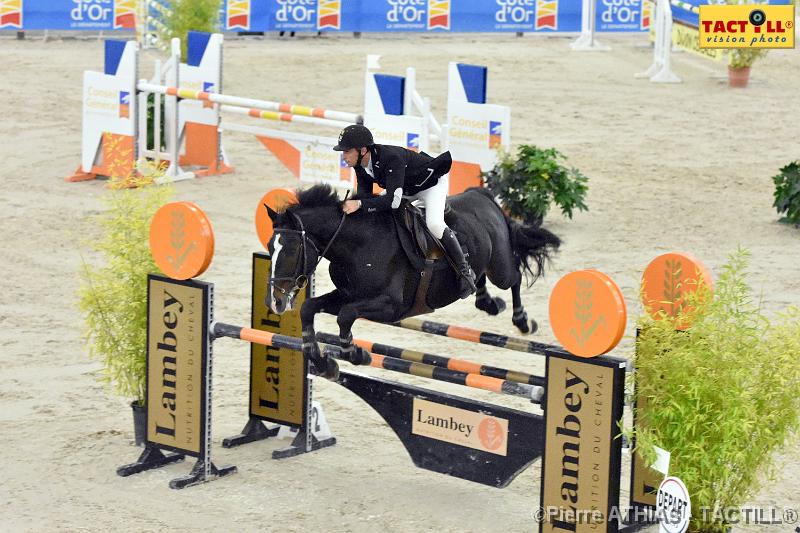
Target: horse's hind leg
(485, 302)
(520, 317)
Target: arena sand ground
(679, 167)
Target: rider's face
(351, 156)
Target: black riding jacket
(402, 172)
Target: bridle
(299, 277)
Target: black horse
(373, 275)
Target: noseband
(299, 277)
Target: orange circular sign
(667, 279)
(277, 200)
(181, 240)
(587, 313)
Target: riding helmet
(354, 136)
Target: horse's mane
(322, 195)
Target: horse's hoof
(361, 356)
(354, 355)
(521, 321)
(491, 306)
(331, 370)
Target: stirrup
(467, 283)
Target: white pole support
(173, 141)
(587, 42)
(409, 91)
(660, 71)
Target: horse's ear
(272, 214)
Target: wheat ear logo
(583, 313)
(673, 273)
(178, 240)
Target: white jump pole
(413, 100)
(660, 71)
(587, 42)
(265, 105)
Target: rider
(407, 174)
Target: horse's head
(294, 257)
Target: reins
(304, 238)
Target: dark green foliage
(787, 192)
(151, 116)
(529, 184)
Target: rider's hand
(351, 206)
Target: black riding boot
(453, 249)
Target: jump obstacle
(115, 125)
(667, 32)
(575, 445)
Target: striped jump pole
(440, 361)
(476, 336)
(283, 117)
(266, 105)
(686, 6)
(476, 381)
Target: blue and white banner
(439, 16)
(67, 14)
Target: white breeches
(434, 201)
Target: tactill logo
(746, 26)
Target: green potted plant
(739, 63)
(528, 184)
(787, 193)
(721, 396)
(113, 296)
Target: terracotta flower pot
(738, 77)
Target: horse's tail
(528, 242)
(531, 243)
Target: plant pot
(139, 423)
(738, 77)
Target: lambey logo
(576, 389)
(167, 349)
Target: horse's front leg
(382, 308)
(327, 303)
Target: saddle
(423, 250)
